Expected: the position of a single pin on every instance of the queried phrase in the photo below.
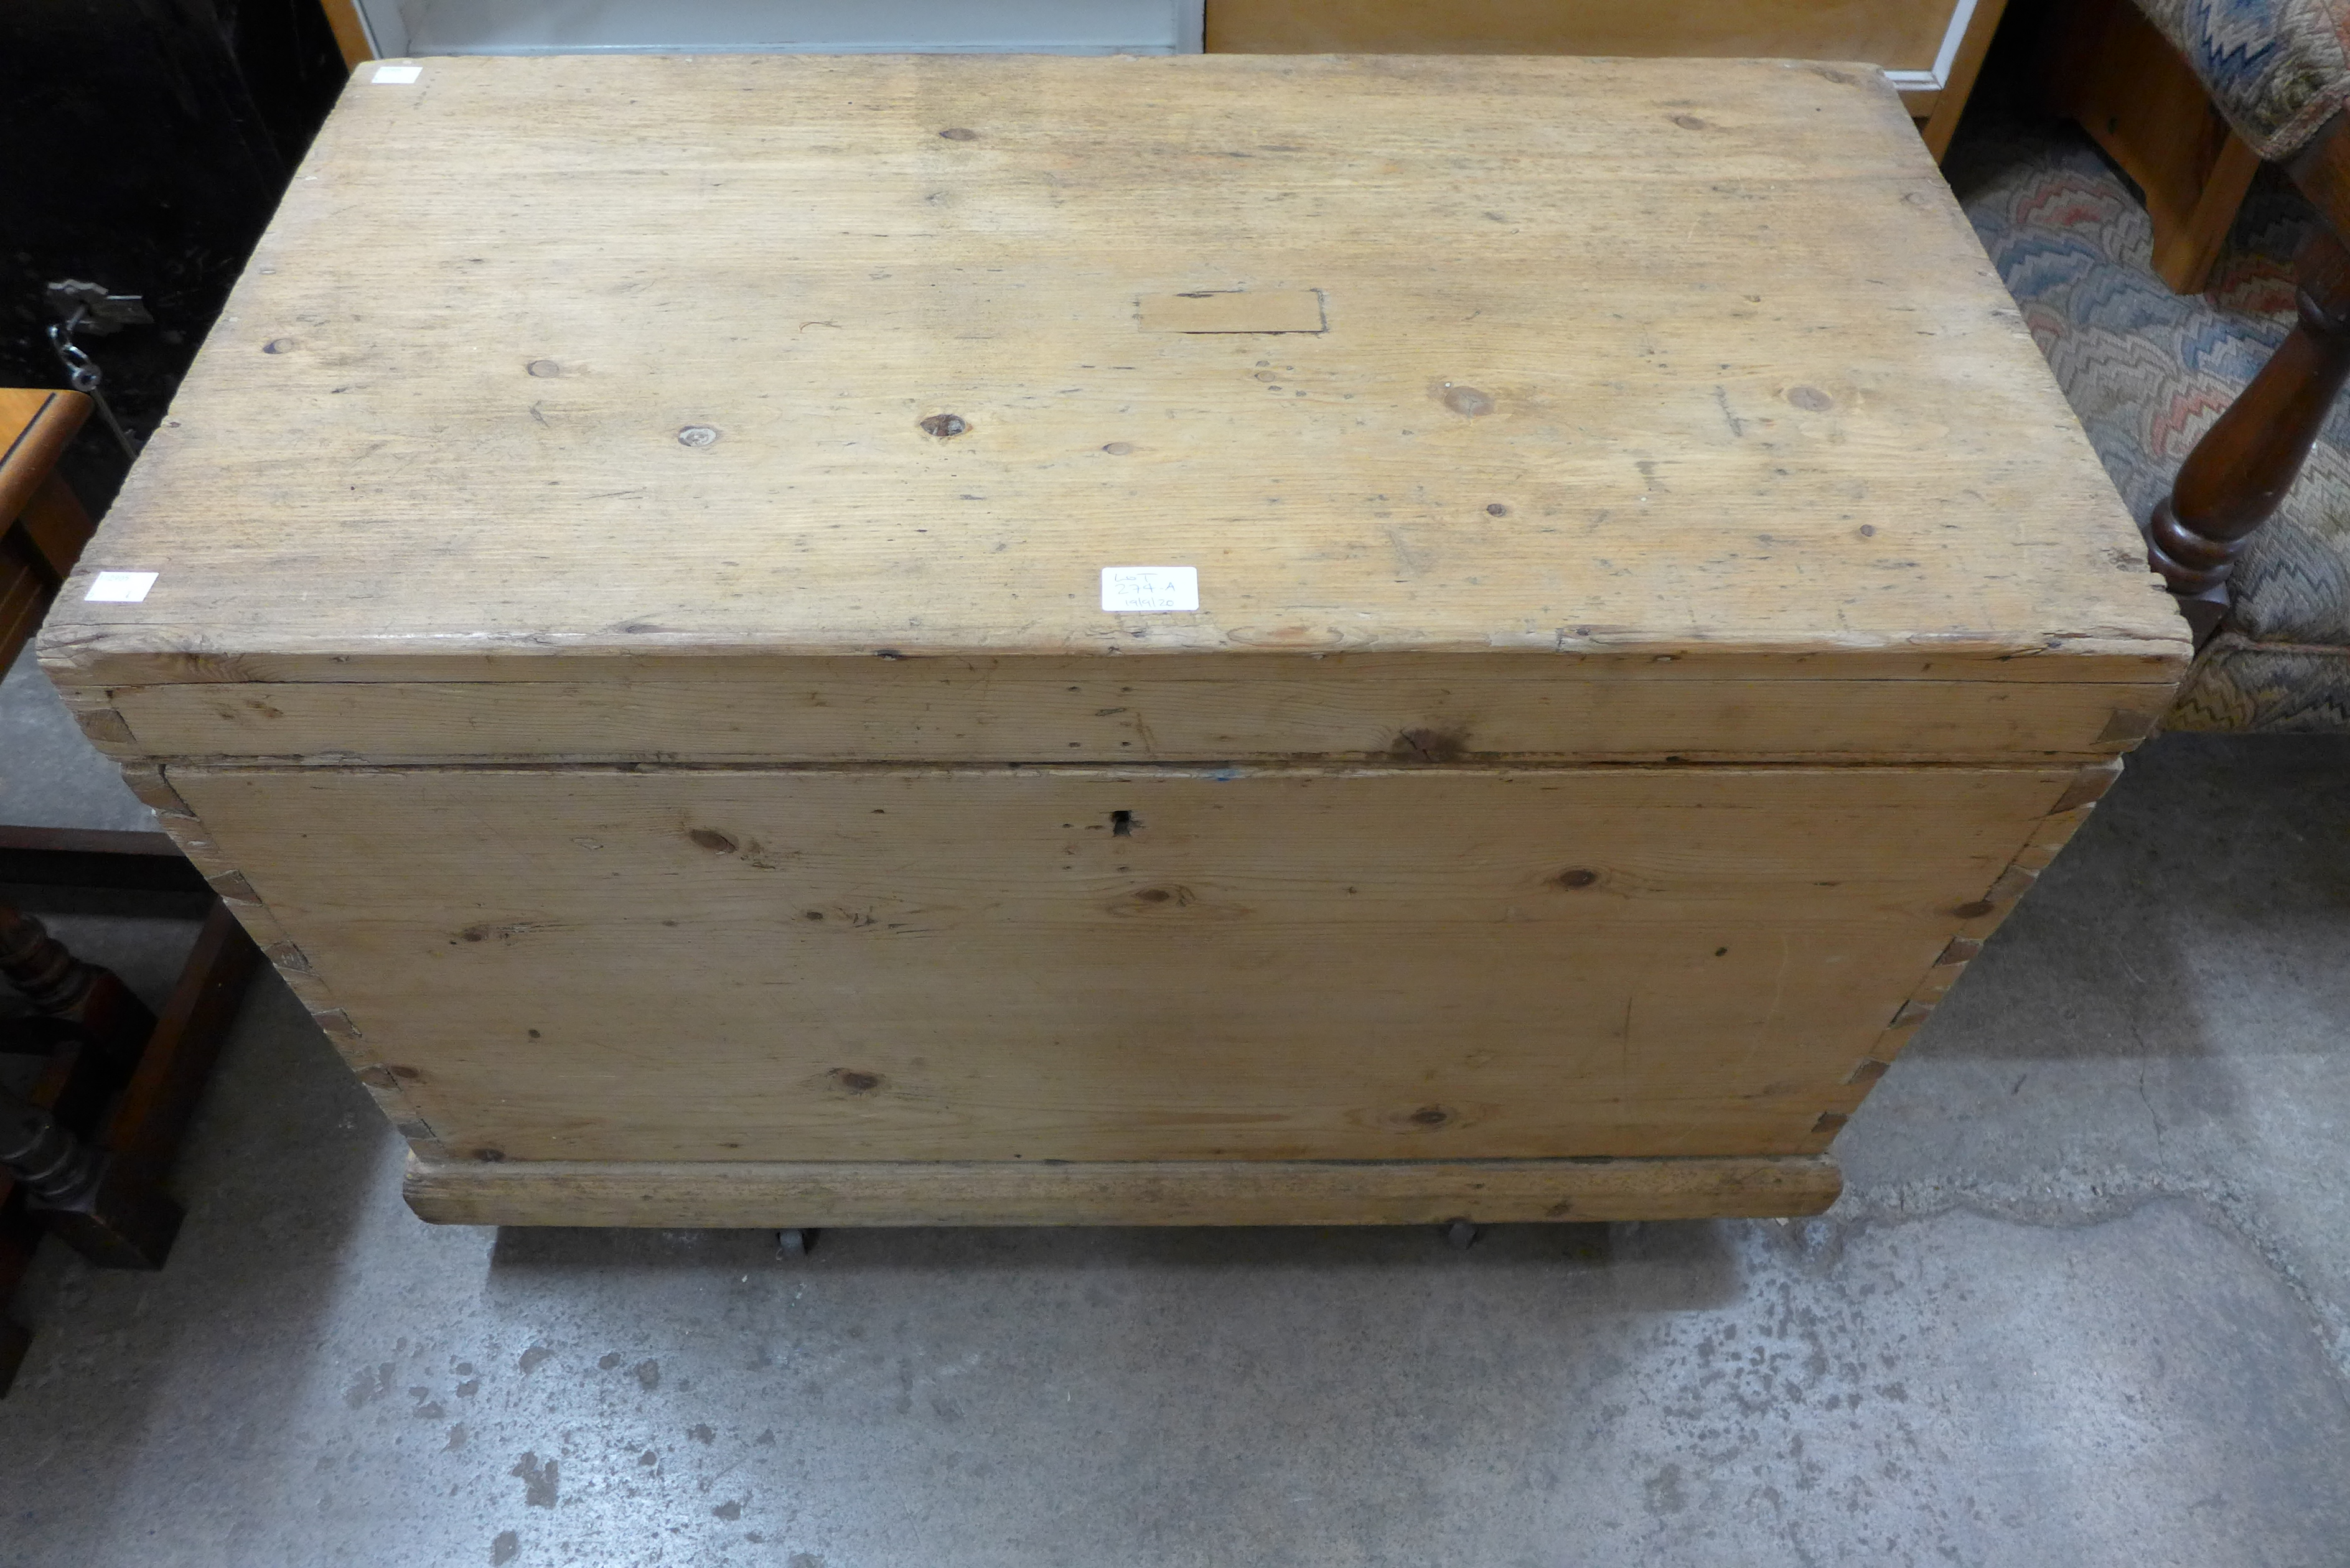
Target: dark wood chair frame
(2106, 67)
(2236, 477)
(85, 1149)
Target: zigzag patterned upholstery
(2147, 372)
(2277, 68)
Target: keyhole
(1122, 825)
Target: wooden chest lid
(629, 355)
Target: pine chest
(790, 641)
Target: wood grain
(1899, 34)
(1037, 711)
(1590, 378)
(1133, 1192)
(1233, 310)
(978, 963)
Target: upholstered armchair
(2191, 98)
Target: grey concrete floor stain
(2086, 1302)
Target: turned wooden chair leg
(2241, 470)
(89, 997)
(96, 1204)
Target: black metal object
(144, 143)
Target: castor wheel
(1461, 1234)
(795, 1244)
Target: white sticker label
(119, 587)
(1130, 588)
(396, 76)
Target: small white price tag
(396, 76)
(1128, 589)
(119, 587)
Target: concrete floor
(2086, 1301)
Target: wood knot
(1976, 910)
(278, 345)
(1810, 398)
(1690, 122)
(710, 838)
(957, 133)
(544, 369)
(1577, 876)
(1495, 509)
(1428, 746)
(1467, 401)
(1431, 1117)
(946, 426)
(697, 437)
(855, 1081)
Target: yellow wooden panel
(1897, 35)
(1166, 963)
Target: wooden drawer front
(1201, 709)
(1103, 964)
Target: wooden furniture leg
(42, 527)
(92, 1000)
(2108, 68)
(99, 1206)
(83, 1155)
(1942, 123)
(2240, 471)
